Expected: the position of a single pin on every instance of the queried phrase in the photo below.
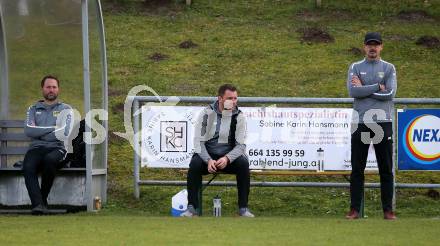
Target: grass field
(122, 229)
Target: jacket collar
(41, 105)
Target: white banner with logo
(277, 138)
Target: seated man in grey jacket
(220, 146)
(46, 124)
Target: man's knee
(196, 163)
(242, 163)
(52, 159)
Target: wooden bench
(69, 184)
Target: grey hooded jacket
(220, 133)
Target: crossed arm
(48, 133)
(379, 91)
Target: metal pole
(4, 80)
(362, 209)
(318, 3)
(263, 100)
(394, 122)
(287, 184)
(136, 161)
(286, 100)
(104, 90)
(4, 111)
(86, 78)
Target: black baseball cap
(373, 37)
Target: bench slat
(11, 124)
(73, 169)
(21, 211)
(14, 137)
(13, 150)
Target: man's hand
(212, 168)
(382, 87)
(355, 81)
(222, 162)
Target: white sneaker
(189, 212)
(245, 212)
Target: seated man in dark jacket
(220, 146)
(47, 123)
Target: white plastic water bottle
(179, 203)
(217, 202)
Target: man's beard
(50, 97)
(372, 54)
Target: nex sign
(426, 135)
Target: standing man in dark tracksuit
(47, 123)
(219, 144)
(372, 83)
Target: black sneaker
(40, 210)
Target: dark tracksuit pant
(197, 168)
(384, 156)
(44, 160)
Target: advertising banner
(277, 138)
(419, 139)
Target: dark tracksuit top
(41, 121)
(368, 96)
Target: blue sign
(419, 139)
